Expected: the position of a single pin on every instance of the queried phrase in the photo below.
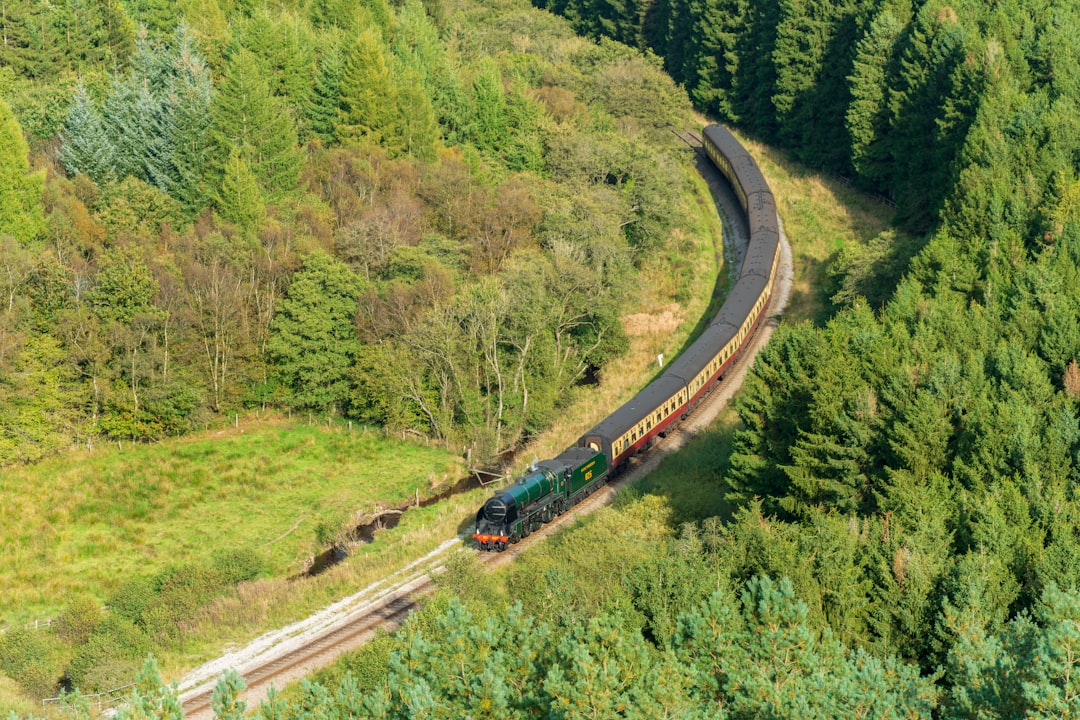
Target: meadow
(82, 522)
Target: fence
(98, 701)
(36, 625)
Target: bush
(110, 656)
(29, 657)
(186, 585)
(237, 566)
(77, 620)
(333, 529)
(131, 598)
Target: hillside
(362, 212)
(892, 525)
(269, 267)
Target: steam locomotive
(552, 486)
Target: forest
(905, 532)
(352, 211)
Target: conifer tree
(867, 119)
(138, 133)
(418, 46)
(151, 697)
(247, 117)
(671, 31)
(158, 16)
(922, 141)
(27, 42)
(285, 44)
(208, 21)
(812, 59)
(86, 146)
(327, 14)
(20, 190)
(713, 60)
(188, 95)
(489, 126)
(419, 129)
(239, 199)
(90, 33)
(369, 100)
(226, 698)
(322, 107)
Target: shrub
(110, 656)
(131, 598)
(77, 620)
(238, 565)
(29, 657)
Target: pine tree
(286, 45)
(188, 97)
(151, 698)
(418, 46)
(118, 33)
(208, 20)
(239, 199)
(86, 146)
(158, 16)
(756, 80)
(27, 43)
(369, 99)
(92, 33)
(930, 68)
(322, 108)
(341, 14)
(247, 117)
(419, 129)
(713, 60)
(811, 60)
(226, 699)
(489, 127)
(141, 143)
(20, 191)
(866, 118)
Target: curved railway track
(279, 658)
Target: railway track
(280, 658)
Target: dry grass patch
(820, 217)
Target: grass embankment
(821, 217)
(83, 522)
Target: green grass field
(83, 522)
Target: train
(551, 487)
